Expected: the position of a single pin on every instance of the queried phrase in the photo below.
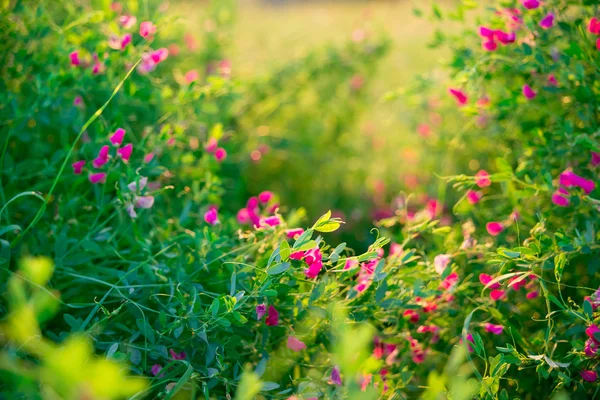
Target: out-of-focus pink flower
(412, 316)
(117, 138)
(595, 159)
(224, 68)
(99, 162)
(552, 80)
(356, 82)
(590, 376)
(592, 331)
(261, 310)
(424, 130)
(485, 279)
(530, 4)
(594, 26)
(156, 368)
(440, 262)
(177, 356)
(159, 55)
(350, 263)
(271, 221)
(569, 179)
(494, 228)
(532, 294)
(505, 37)
(144, 202)
(473, 196)
(482, 179)
(78, 166)
(138, 185)
(591, 348)
(486, 33)
(517, 282)
(293, 233)
(469, 341)
(396, 250)
(191, 76)
(272, 317)
(560, 197)
(99, 177)
(335, 377)
(98, 68)
(127, 21)
(497, 294)
(265, 197)
(74, 56)
(528, 92)
(125, 152)
(211, 145)
(450, 281)
(548, 21)
(243, 216)
(147, 30)
(295, 344)
(220, 154)
(190, 42)
(489, 45)
(210, 216)
(78, 101)
(495, 329)
(460, 96)
(148, 158)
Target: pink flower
(489, 45)
(530, 4)
(591, 348)
(211, 145)
(495, 329)
(548, 21)
(78, 166)
(497, 294)
(559, 197)
(350, 263)
(127, 21)
(138, 185)
(595, 159)
(271, 221)
(482, 179)
(98, 68)
(569, 179)
(424, 130)
(590, 376)
(412, 316)
(486, 32)
(125, 40)
(335, 377)
(485, 279)
(460, 96)
(449, 281)
(261, 310)
(78, 101)
(211, 217)
(177, 356)
(103, 153)
(592, 331)
(474, 196)
(594, 26)
(144, 202)
(125, 152)
(148, 157)
(396, 250)
(191, 76)
(494, 228)
(598, 44)
(517, 282)
(220, 154)
(528, 92)
(117, 138)
(469, 341)
(505, 37)
(272, 317)
(147, 29)
(156, 368)
(552, 80)
(440, 262)
(75, 58)
(99, 162)
(532, 295)
(293, 233)
(99, 177)
(131, 211)
(159, 55)
(265, 197)
(295, 344)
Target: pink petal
(294, 344)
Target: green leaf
(214, 307)
(279, 268)
(330, 226)
(284, 250)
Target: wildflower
(147, 30)
(396, 250)
(595, 159)
(569, 179)
(449, 281)
(559, 197)
(159, 55)
(482, 179)
(211, 217)
(460, 96)
(497, 294)
(335, 377)
(125, 152)
(548, 21)
(78, 166)
(530, 4)
(75, 58)
(591, 348)
(293, 233)
(486, 33)
(99, 177)
(127, 21)
(593, 332)
(243, 216)
(528, 92)
(469, 341)
(473, 196)
(495, 329)
(424, 130)
(125, 40)
(265, 197)
(191, 76)
(78, 101)
(144, 202)
(485, 279)
(271, 221)
(552, 80)
(156, 368)
(494, 228)
(272, 317)
(516, 282)
(590, 376)
(261, 310)
(440, 262)
(177, 356)
(412, 316)
(131, 211)
(350, 263)
(220, 154)
(505, 37)
(98, 68)
(295, 344)
(211, 145)
(532, 295)
(138, 184)
(594, 26)
(489, 45)
(99, 162)
(148, 157)
(117, 138)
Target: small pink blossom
(469, 341)
(495, 329)
(220, 154)
(159, 55)
(591, 348)
(138, 185)
(517, 282)
(156, 368)
(529, 92)
(78, 166)
(103, 153)
(177, 356)
(505, 37)
(485, 32)
(191, 76)
(265, 197)
(396, 250)
(211, 145)
(474, 196)
(531, 4)
(594, 26)
(125, 152)
(460, 96)
(595, 158)
(440, 262)
(147, 30)
(335, 377)
(485, 279)
(98, 68)
(271, 221)
(127, 21)
(532, 295)
(569, 179)
(552, 80)
(125, 40)
(211, 217)
(261, 310)
(424, 130)
(450, 281)
(482, 179)
(144, 202)
(560, 197)
(592, 331)
(412, 316)
(295, 344)
(489, 45)
(548, 21)
(99, 177)
(293, 233)
(497, 294)
(99, 162)
(148, 158)
(78, 101)
(590, 376)
(272, 317)
(74, 56)
(129, 208)
(494, 228)
(117, 138)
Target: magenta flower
(482, 179)
(265, 197)
(127, 21)
(78, 101)
(313, 269)
(243, 216)
(595, 159)
(497, 294)
(148, 158)
(125, 40)
(517, 282)
(295, 344)
(177, 356)
(156, 368)
(144, 202)
(591, 348)
(125, 152)
(147, 30)
(598, 44)
(335, 377)
(548, 21)
(191, 76)
(261, 310)
(489, 45)
(494, 228)
(532, 295)
(590, 376)
(75, 58)
(99, 177)
(552, 80)
(505, 37)
(78, 166)
(159, 55)
(486, 33)
(531, 4)
(449, 282)
(272, 316)
(220, 154)
(592, 331)
(211, 145)
(495, 329)
(594, 26)
(460, 96)
(211, 216)
(396, 250)
(271, 221)
(569, 179)
(469, 341)
(473, 196)
(117, 138)
(98, 68)
(529, 92)
(293, 233)
(560, 197)
(485, 279)
(440, 262)
(412, 316)
(103, 153)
